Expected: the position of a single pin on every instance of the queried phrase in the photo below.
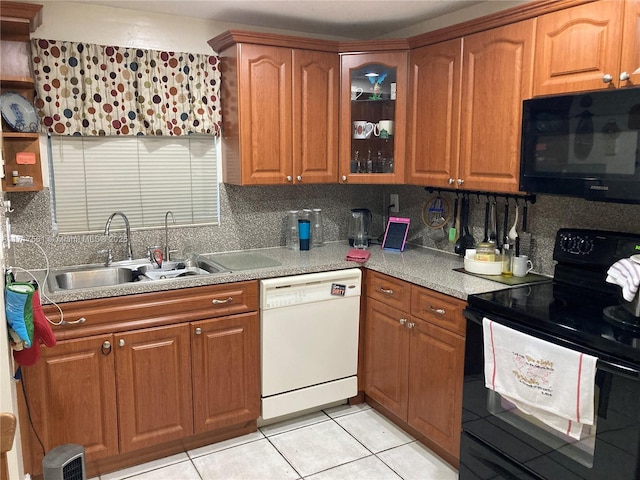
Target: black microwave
(583, 145)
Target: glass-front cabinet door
(373, 112)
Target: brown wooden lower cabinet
(153, 381)
(413, 364)
(71, 394)
(436, 359)
(188, 378)
(225, 371)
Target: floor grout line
(318, 421)
(284, 457)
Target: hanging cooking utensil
(458, 248)
(435, 212)
(453, 231)
(525, 238)
(486, 220)
(506, 220)
(467, 241)
(513, 233)
(493, 223)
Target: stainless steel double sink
(128, 271)
(118, 273)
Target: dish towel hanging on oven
(550, 382)
(626, 274)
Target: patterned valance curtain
(96, 90)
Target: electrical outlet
(395, 201)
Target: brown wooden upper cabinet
(20, 143)
(372, 113)
(589, 47)
(279, 107)
(466, 108)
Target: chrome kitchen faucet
(167, 252)
(127, 231)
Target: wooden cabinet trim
(374, 46)
(231, 37)
(499, 19)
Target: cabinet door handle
(74, 322)
(215, 301)
(106, 347)
(607, 78)
(299, 178)
(289, 178)
(460, 181)
(451, 180)
(403, 321)
(121, 342)
(411, 324)
(624, 76)
(198, 331)
(439, 311)
(386, 291)
(344, 178)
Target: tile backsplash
(253, 217)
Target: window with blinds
(143, 177)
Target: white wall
(481, 9)
(119, 26)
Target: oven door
(610, 450)
(481, 462)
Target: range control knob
(576, 245)
(585, 246)
(567, 243)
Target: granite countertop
(422, 266)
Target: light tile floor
(340, 443)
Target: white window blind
(143, 177)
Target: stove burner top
(620, 317)
(578, 305)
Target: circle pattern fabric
(96, 90)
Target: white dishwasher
(309, 340)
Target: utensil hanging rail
(469, 193)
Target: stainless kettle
(355, 224)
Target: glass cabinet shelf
(373, 94)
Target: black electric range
(580, 311)
(578, 305)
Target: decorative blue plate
(18, 112)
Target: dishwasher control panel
(310, 288)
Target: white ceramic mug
(356, 92)
(522, 265)
(362, 129)
(385, 125)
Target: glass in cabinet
(373, 111)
